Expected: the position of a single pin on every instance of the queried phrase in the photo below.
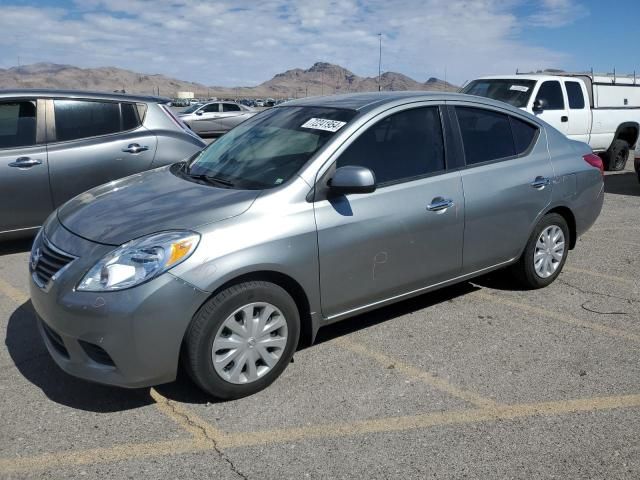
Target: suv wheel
(545, 253)
(617, 155)
(242, 339)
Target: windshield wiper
(212, 179)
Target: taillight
(595, 161)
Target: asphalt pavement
(480, 380)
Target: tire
(245, 304)
(617, 155)
(525, 269)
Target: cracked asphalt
(479, 380)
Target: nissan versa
(301, 216)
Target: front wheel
(242, 339)
(545, 254)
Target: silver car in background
(215, 118)
(302, 216)
(55, 144)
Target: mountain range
(321, 78)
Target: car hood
(149, 202)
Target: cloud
(557, 13)
(241, 42)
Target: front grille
(50, 261)
(55, 340)
(96, 353)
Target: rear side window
(550, 94)
(17, 124)
(81, 119)
(402, 146)
(486, 135)
(576, 97)
(130, 118)
(524, 134)
(230, 107)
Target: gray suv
(304, 215)
(56, 144)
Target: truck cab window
(576, 97)
(550, 94)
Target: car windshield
(192, 108)
(269, 148)
(513, 91)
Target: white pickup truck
(601, 110)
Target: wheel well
(568, 216)
(292, 287)
(628, 132)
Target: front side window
(550, 94)
(576, 97)
(17, 124)
(486, 135)
(402, 146)
(212, 107)
(77, 119)
(269, 148)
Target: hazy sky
(240, 42)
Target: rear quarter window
(524, 134)
(486, 135)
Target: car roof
(55, 93)
(364, 102)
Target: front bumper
(129, 338)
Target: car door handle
(135, 148)
(25, 162)
(564, 119)
(540, 182)
(440, 204)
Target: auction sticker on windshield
(323, 124)
(519, 88)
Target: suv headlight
(139, 261)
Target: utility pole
(380, 62)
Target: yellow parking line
(59, 460)
(12, 292)
(185, 418)
(612, 332)
(413, 422)
(54, 461)
(601, 275)
(416, 373)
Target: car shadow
(622, 184)
(10, 247)
(499, 280)
(32, 360)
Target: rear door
(507, 183)
(232, 115)
(25, 197)
(95, 142)
(579, 127)
(555, 111)
(404, 236)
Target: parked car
(56, 144)
(215, 118)
(303, 215)
(601, 110)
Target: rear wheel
(617, 155)
(242, 339)
(545, 253)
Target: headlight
(139, 260)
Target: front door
(25, 198)
(404, 236)
(207, 119)
(95, 143)
(554, 106)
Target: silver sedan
(215, 118)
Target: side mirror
(352, 179)
(199, 112)
(538, 105)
